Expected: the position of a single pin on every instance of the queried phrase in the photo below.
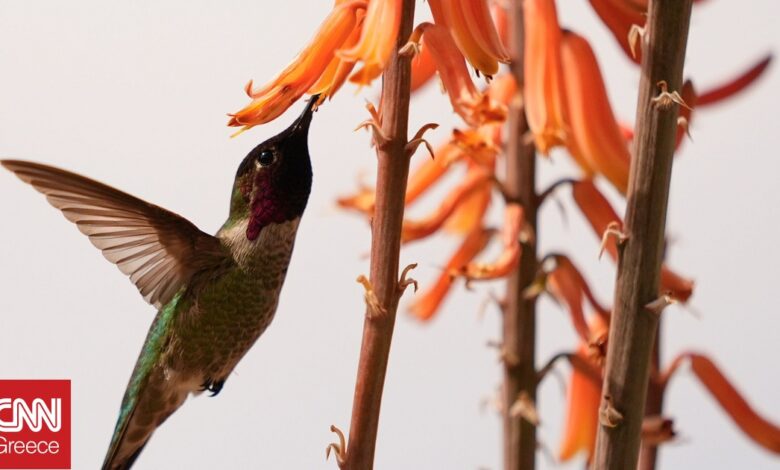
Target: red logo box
(34, 424)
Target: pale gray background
(135, 95)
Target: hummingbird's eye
(266, 158)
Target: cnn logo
(35, 424)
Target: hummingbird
(215, 295)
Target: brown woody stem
(633, 326)
(392, 173)
(519, 322)
(648, 456)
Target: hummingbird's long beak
(301, 125)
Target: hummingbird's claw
(340, 448)
(406, 281)
(613, 230)
(658, 305)
(667, 98)
(212, 386)
(418, 139)
(375, 124)
(375, 308)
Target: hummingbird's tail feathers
(159, 250)
(143, 410)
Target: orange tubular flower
(584, 399)
(429, 301)
(568, 286)
(380, 31)
(594, 129)
(482, 148)
(735, 85)
(601, 215)
(466, 100)
(416, 229)
(423, 69)
(273, 99)
(544, 87)
(420, 181)
(431, 170)
(514, 220)
(338, 70)
(502, 89)
(761, 431)
(472, 27)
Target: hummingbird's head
(273, 182)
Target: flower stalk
(519, 317)
(392, 173)
(633, 326)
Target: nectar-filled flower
(475, 180)
(757, 428)
(584, 399)
(568, 287)
(594, 131)
(335, 75)
(377, 40)
(474, 107)
(514, 224)
(544, 88)
(423, 69)
(472, 27)
(429, 301)
(297, 78)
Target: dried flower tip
(524, 407)
(666, 99)
(609, 416)
(375, 307)
(657, 430)
(405, 281)
(658, 305)
(635, 34)
(615, 230)
(338, 448)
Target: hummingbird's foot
(418, 139)
(213, 386)
(340, 448)
(375, 124)
(375, 308)
(613, 230)
(406, 281)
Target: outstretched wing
(158, 249)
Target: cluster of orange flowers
(567, 106)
